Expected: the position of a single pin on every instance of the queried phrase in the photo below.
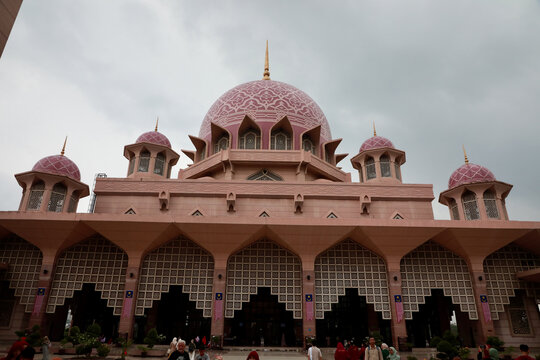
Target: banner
(399, 307)
(309, 306)
(128, 302)
(39, 301)
(218, 308)
(485, 308)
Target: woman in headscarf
(393, 354)
(172, 347)
(384, 350)
(341, 353)
(493, 353)
(253, 356)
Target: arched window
(470, 207)
(384, 162)
(454, 209)
(58, 195)
(266, 175)
(221, 144)
(360, 174)
(280, 141)
(131, 165)
(370, 168)
(159, 166)
(144, 161)
(36, 196)
(307, 145)
(398, 170)
(490, 202)
(250, 140)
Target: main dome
(468, 174)
(58, 165)
(266, 102)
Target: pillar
(308, 299)
(218, 302)
(42, 293)
(127, 318)
(485, 325)
(398, 327)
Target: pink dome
(468, 174)
(58, 165)
(376, 142)
(154, 137)
(266, 102)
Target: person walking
(373, 352)
(354, 352)
(180, 353)
(341, 353)
(524, 353)
(393, 354)
(201, 355)
(45, 346)
(314, 353)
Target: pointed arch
(221, 138)
(310, 140)
(281, 135)
(249, 134)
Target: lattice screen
(97, 261)
(350, 265)
(264, 264)
(431, 266)
(500, 269)
(24, 264)
(178, 262)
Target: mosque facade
(263, 239)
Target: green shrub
(103, 350)
(94, 330)
(495, 342)
(84, 349)
(447, 348)
(32, 336)
(464, 352)
(435, 341)
(152, 338)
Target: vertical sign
(309, 306)
(485, 308)
(218, 308)
(39, 301)
(399, 307)
(128, 302)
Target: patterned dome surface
(266, 102)
(376, 142)
(154, 137)
(468, 174)
(58, 165)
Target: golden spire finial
(374, 130)
(465, 153)
(157, 122)
(266, 74)
(63, 147)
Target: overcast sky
(433, 75)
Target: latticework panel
(431, 266)
(24, 264)
(264, 264)
(178, 262)
(350, 265)
(500, 269)
(97, 261)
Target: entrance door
(263, 322)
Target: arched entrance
(351, 294)
(174, 316)
(264, 282)
(263, 322)
(7, 303)
(351, 318)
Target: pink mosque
(263, 238)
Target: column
(218, 301)
(127, 318)
(308, 299)
(46, 197)
(485, 326)
(42, 293)
(398, 327)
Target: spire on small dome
(157, 121)
(266, 74)
(374, 130)
(63, 147)
(465, 153)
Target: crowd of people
(350, 351)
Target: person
(191, 348)
(341, 353)
(180, 353)
(385, 351)
(480, 354)
(253, 356)
(45, 345)
(373, 352)
(15, 350)
(493, 353)
(201, 355)
(524, 353)
(27, 353)
(354, 352)
(172, 346)
(393, 354)
(314, 353)
(363, 350)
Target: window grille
(470, 207)
(222, 144)
(454, 209)
(160, 164)
(58, 195)
(250, 140)
(308, 146)
(518, 315)
(370, 168)
(398, 171)
(384, 163)
(280, 141)
(265, 175)
(36, 196)
(490, 202)
(144, 161)
(131, 165)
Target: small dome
(58, 165)
(468, 174)
(376, 142)
(154, 137)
